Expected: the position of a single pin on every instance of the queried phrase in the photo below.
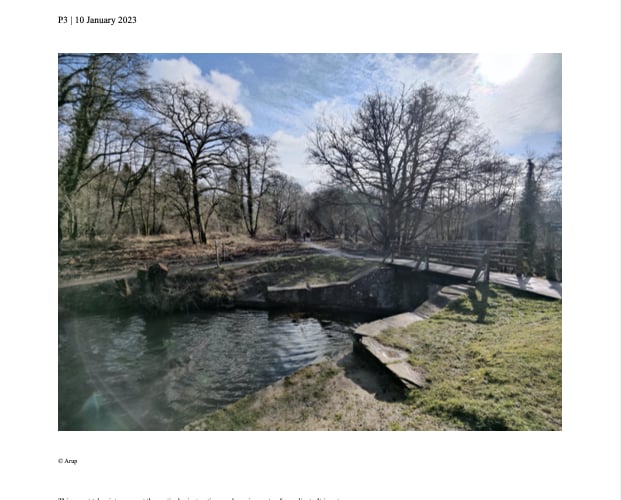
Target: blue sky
(517, 96)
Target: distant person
(307, 235)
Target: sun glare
(499, 69)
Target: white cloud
(175, 70)
(305, 86)
(528, 105)
(292, 153)
(245, 69)
(221, 87)
(448, 72)
(335, 109)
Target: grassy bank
(500, 374)
(190, 289)
(80, 259)
(310, 270)
(242, 282)
(503, 373)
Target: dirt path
(101, 278)
(81, 263)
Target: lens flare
(499, 69)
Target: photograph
(309, 241)
(312, 251)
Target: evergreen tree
(529, 209)
(95, 91)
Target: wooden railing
(501, 256)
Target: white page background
(582, 461)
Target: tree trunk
(61, 214)
(197, 211)
(252, 229)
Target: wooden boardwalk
(538, 286)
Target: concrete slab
(383, 353)
(426, 310)
(539, 286)
(409, 375)
(440, 299)
(395, 360)
(374, 328)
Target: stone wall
(383, 290)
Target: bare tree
(254, 158)
(127, 183)
(283, 192)
(477, 205)
(198, 134)
(395, 152)
(178, 187)
(95, 91)
(336, 212)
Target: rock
(409, 375)
(142, 275)
(383, 353)
(152, 279)
(123, 287)
(157, 272)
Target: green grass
(304, 390)
(503, 373)
(240, 416)
(313, 269)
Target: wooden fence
(501, 256)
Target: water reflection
(135, 372)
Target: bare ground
(88, 262)
(345, 394)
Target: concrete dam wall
(383, 290)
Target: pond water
(135, 372)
